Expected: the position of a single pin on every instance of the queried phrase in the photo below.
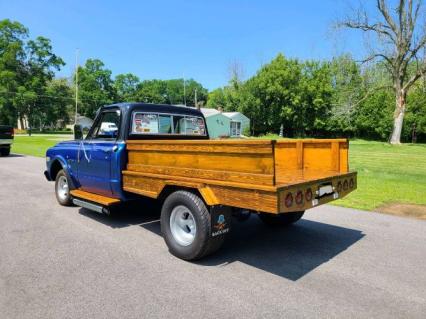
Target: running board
(94, 198)
(91, 206)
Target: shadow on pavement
(290, 252)
(145, 213)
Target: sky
(191, 39)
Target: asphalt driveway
(60, 262)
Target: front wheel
(186, 226)
(62, 189)
(280, 220)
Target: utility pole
(76, 86)
(195, 99)
(184, 90)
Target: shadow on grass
(290, 252)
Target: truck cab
(93, 163)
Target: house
(225, 124)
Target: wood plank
(103, 200)
(246, 198)
(197, 180)
(200, 148)
(263, 179)
(299, 152)
(255, 164)
(344, 154)
(204, 142)
(335, 156)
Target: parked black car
(6, 139)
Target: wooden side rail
(240, 161)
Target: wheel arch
(201, 190)
(57, 165)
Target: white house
(225, 124)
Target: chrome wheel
(62, 188)
(182, 225)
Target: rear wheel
(5, 151)
(62, 189)
(280, 220)
(186, 226)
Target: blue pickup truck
(136, 150)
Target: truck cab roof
(128, 108)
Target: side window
(165, 124)
(107, 126)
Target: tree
(12, 54)
(401, 37)
(40, 65)
(96, 88)
(171, 92)
(59, 104)
(347, 83)
(126, 86)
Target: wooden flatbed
(260, 175)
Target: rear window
(164, 124)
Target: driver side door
(96, 152)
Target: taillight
(308, 194)
(345, 185)
(339, 187)
(12, 132)
(351, 183)
(289, 200)
(299, 198)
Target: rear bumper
(6, 142)
(297, 197)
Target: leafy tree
(415, 121)
(59, 103)
(400, 40)
(171, 92)
(126, 86)
(347, 83)
(96, 88)
(40, 65)
(12, 54)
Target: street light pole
(76, 86)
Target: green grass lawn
(386, 173)
(36, 145)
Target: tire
(62, 189)
(280, 220)
(5, 151)
(190, 239)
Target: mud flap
(220, 219)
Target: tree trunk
(398, 117)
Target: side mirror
(78, 132)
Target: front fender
(71, 176)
